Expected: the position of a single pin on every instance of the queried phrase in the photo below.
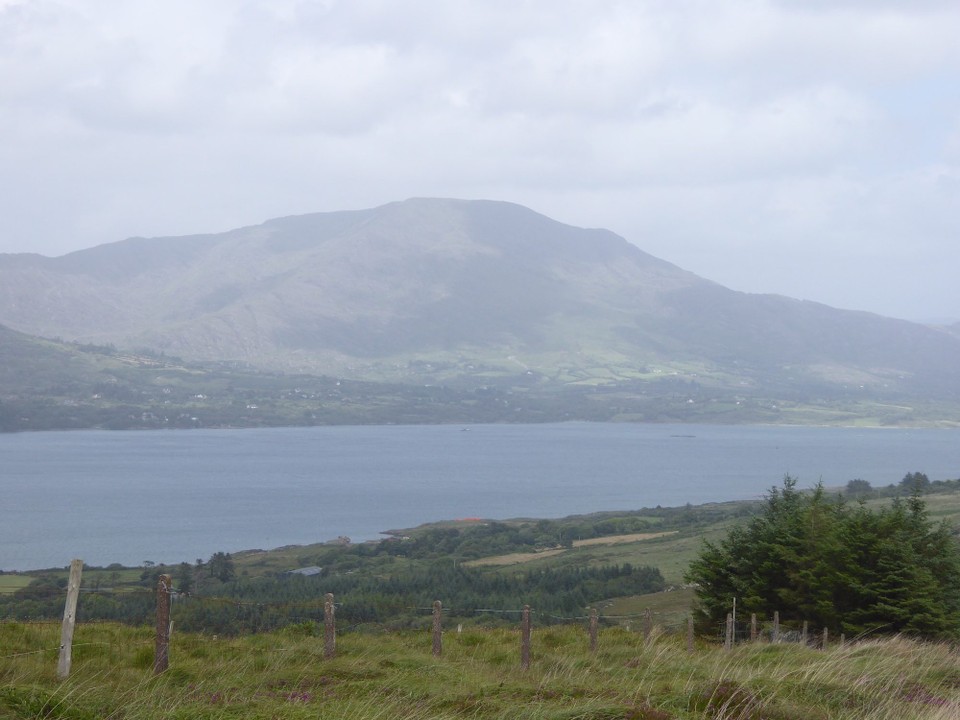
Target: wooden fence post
(647, 624)
(753, 627)
(690, 634)
(594, 623)
(329, 627)
(826, 635)
(803, 634)
(161, 655)
(843, 639)
(437, 628)
(69, 620)
(776, 626)
(525, 638)
(728, 637)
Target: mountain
(419, 277)
(467, 293)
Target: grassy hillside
(394, 676)
(49, 385)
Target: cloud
(721, 136)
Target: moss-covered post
(776, 627)
(690, 634)
(437, 628)
(728, 636)
(525, 638)
(161, 655)
(329, 627)
(594, 623)
(753, 627)
(647, 624)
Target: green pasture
(394, 676)
(12, 583)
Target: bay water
(172, 496)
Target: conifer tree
(846, 568)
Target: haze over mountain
(431, 290)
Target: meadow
(394, 675)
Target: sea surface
(172, 496)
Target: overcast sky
(805, 147)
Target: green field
(394, 676)
(12, 583)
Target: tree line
(394, 600)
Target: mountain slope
(446, 290)
(419, 276)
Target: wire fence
(181, 599)
(313, 610)
(258, 615)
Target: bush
(859, 487)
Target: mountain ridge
(461, 291)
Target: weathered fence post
(329, 627)
(437, 628)
(594, 623)
(803, 634)
(728, 637)
(776, 627)
(826, 635)
(843, 639)
(647, 624)
(753, 627)
(525, 638)
(69, 620)
(690, 634)
(161, 655)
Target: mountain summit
(434, 290)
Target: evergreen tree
(220, 566)
(846, 568)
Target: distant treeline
(394, 600)
(382, 582)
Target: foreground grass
(393, 675)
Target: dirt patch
(619, 539)
(514, 558)
(517, 558)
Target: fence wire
(267, 615)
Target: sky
(809, 148)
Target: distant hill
(467, 293)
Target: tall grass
(393, 675)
